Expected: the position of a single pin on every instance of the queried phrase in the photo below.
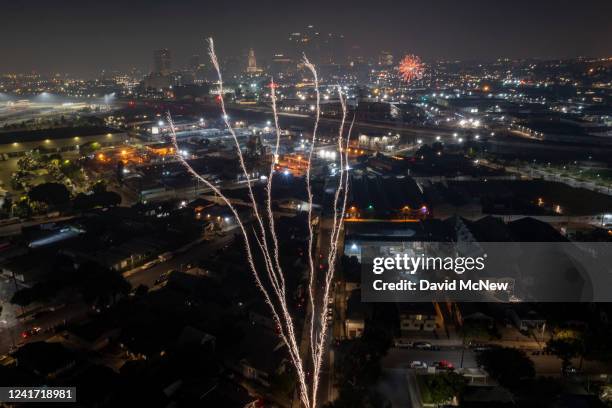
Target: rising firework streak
(270, 280)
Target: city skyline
(306, 205)
(84, 40)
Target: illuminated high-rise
(252, 63)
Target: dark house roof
(532, 230)
(44, 358)
(384, 196)
(489, 229)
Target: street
(402, 357)
(545, 365)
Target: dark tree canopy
(507, 365)
(84, 201)
(98, 283)
(443, 387)
(50, 193)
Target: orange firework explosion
(410, 68)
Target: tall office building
(194, 62)
(385, 59)
(325, 49)
(332, 49)
(282, 64)
(252, 63)
(305, 42)
(162, 61)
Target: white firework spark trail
(293, 351)
(341, 154)
(284, 319)
(344, 187)
(276, 276)
(334, 239)
(315, 76)
(269, 185)
(276, 298)
(215, 62)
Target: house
(28, 269)
(525, 318)
(223, 393)
(416, 317)
(529, 229)
(45, 359)
(259, 314)
(356, 313)
(486, 229)
(259, 356)
(190, 336)
(93, 335)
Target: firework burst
(411, 68)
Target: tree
(283, 383)
(90, 147)
(22, 208)
(70, 169)
(42, 291)
(53, 194)
(99, 187)
(507, 365)
(22, 297)
(98, 284)
(7, 204)
(82, 202)
(358, 366)
(368, 399)
(564, 348)
(107, 199)
(473, 330)
(141, 290)
(441, 388)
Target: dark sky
(86, 36)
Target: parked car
(401, 343)
(163, 277)
(418, 364)
(423, 345)
(31, 332)
(480, 347)
(444, 365)
(166, 256)
(570, 370)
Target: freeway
(254, 114)
(359, 125)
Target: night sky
(85, 36)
